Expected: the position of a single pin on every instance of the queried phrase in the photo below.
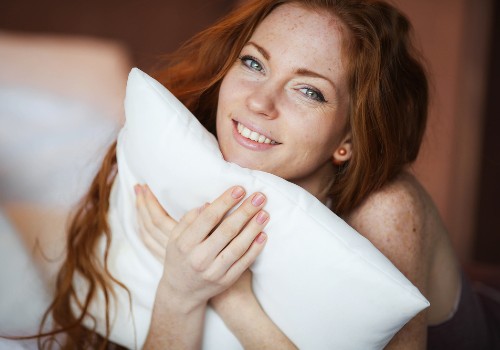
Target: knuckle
(228, 256)
(238, 250)
(209, 276)
(212, 217)
(198, 262)
(248, 210)
(227, 230)
(197, 265)
(182, 246)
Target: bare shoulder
(402, 222)
(394, 219)
(399, 204)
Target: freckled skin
(271, 99)
(399, 219)
(403, 223)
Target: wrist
(178, 302)
(176, 323)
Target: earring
(342, 152)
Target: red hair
(388, 108)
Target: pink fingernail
(261, 217)
(258, 199)
(137, 189)
(261, 238)
(237, 192)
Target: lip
(249, 144)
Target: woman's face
(283, 105)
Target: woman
(329, 95)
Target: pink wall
(453, 35)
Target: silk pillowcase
(322, 283)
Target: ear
(344, 151)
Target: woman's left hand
(155, 227)
(237, 305)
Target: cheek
(221, 102)
(222, 105)
(315, 133)
(228, 87)
(320, 140)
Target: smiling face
(283, 105)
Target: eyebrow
(262, 51)
(310, 73)
(299, 71)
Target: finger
(212, 215)
(240, 245)
(143, 218)
(246, 260)
(159, 216)
(154, 245)
(156, 248)
(186, 221)
(150, 229)
(234, 224)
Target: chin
(244, 162)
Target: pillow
(330, 290)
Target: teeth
(252, 135)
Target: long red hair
(388, 109)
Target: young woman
(329, 95)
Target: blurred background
(63, 69)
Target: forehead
(307, 33)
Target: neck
(319, 185)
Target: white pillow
(321, 282)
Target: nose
(263, 100)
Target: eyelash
(319, 96)
(245, 58)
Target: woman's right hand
(207, 251)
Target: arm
(237, 305)
(243, 315)
(206, 253)
(174, 326)
(394, 220)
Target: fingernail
(237, 192)
(258, 199)
(137, 189)
(261, 217)
(261, 238)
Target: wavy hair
(388, 109)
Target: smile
(253, 135)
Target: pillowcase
(322, 283)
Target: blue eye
(251, 63)
(313, 94)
